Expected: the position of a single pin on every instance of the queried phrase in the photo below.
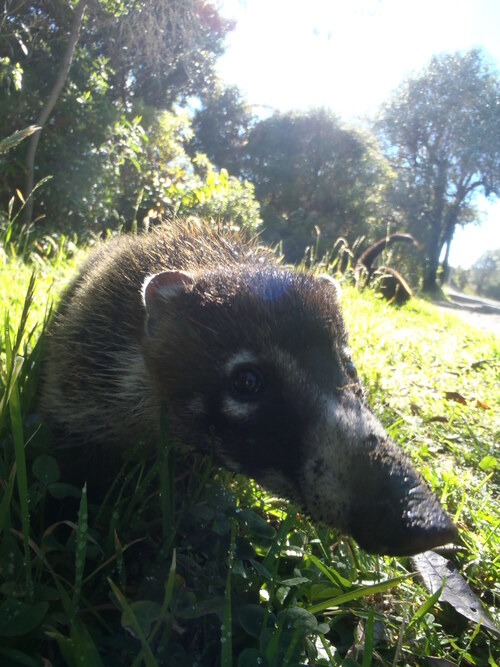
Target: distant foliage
(316, 180)
(140, 126)
(441, 133)
(484, 274)
(221, 127)
(150, 175)
(111, 107)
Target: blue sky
(349, 55)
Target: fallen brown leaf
(455, 396)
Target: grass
(206, 568)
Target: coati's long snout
(358, 479)
(250, 360)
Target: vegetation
(206, 568)
(442, 128)
(118, 140)
(221, 126)
(312, 172)
(98, 95)
(178, 568)
(483, 277)
(315, 177)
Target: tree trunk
(429, 284)
(445, 266)
(48, 107)
(434, 243)
(449, 231)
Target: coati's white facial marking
(244, 357)
(335, 446)
(291, 369)
(236, 410)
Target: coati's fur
(250, 360)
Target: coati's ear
(158, 289)
(329, 283)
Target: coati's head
(253, 363)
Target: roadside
(481, 313)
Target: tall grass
(184, 564)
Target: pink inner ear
(165, 283)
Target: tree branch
(49, 106)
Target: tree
(313, 174)
(441, 132)
(163, 50)
(50, 104)
(221, 127)
(485, 274)
(129, 59)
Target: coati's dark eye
(247, 382)
(351, 369)
(349, 366)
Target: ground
(477, 311)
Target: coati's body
(250, 361)
(389, 282)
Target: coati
(389, 282)
(250, 359)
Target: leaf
(15, 657)
(295, 581)
(440, 662)
(46, 469)
(433, 569)
(297, 618)
(455, 396)
(148, 657)
(489, 462)
(251, 618)
(438, 418)
(257, 526)
(214, 605)
(16, 138)
(18, 618)
(481, 404)
(60, 490)
(250, 657)
(144, 612)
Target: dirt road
(481, 313)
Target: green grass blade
(169, 589)
(81, 549)
(6, 499)
(356, 593)
(147, 654)
(226, 652)
(368, 647)
(271, 561)
(427, 605)
(22, 482)
(79, 649)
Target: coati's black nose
(396, 514)
(403, 528)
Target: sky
(349, 55)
